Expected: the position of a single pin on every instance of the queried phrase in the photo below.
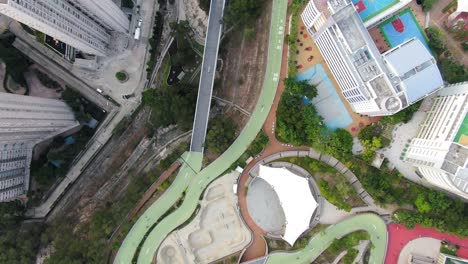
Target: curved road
(370, 223)
(188, 175)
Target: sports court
(462, 135)
(401, 28)
(370, 8)
(327, 102)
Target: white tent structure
(462, 6)
(295, 197)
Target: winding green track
(370, 223)
(190, 177)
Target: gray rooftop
(415, 67)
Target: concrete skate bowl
(214, 193)
(220, 226)
(170, 256)
(265, 208)
(200, 239)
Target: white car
(99, 91)
(139, 22)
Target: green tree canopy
(221, 134)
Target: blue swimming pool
(370, 8)
(327, 102)
(411, 29)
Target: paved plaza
(425, 246)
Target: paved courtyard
(216, 231)
(425, 246)
(401, 136)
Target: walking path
(370, 223)
(399, 236)
(197, 183)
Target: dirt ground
(244, 64)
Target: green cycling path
(197, 182)
(370, 223)
(191, 165)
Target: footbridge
(208, 70)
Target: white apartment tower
(373, 84)
(83, 24)
(440, 149)
(24, 122)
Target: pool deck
(359, 121)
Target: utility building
(83, 24)
(24, 122)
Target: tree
(428, 4)
(249, 33)
(259, 143)
(453, 72)
(300, 88)
(243, 12)
(340, 141)
(205, 5)
(421, 203)
(436, 38)
(171, 106)
(221, 134)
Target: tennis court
(401, 28)
(462, 135)
(327, 102)
(368, 9)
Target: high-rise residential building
(83, 24)
(373, 84)
(104, 11)
(24, 122)
(440, 149)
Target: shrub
(121, 76)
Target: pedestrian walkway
(370, 223)
(257, 247)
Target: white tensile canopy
(462, 6)
(295, 197)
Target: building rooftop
(415, 68)
(387, 82)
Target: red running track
(399, 236)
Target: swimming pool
(368, 9)
(327, 102)
(401, 28)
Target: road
(197, 182)
(370, 223)
(205, 89)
